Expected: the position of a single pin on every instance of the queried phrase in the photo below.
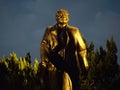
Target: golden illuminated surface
(83, 51)
(66, 41)
(62, 17)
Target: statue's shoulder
(51, 28)
(73, 29)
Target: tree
(104, 70)
(103, 73)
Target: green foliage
(103, 73)
(18, 73)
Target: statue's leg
(67, 84)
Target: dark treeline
(103, 73)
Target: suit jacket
(63, 50)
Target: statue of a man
(63, 53)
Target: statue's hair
(62, 11)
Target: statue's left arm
(81, 48)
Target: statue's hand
(58, 61)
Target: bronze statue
(63, 53)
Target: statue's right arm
(45, 47)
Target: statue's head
(62, 16)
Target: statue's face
(62, 18)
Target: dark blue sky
(23, 22)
